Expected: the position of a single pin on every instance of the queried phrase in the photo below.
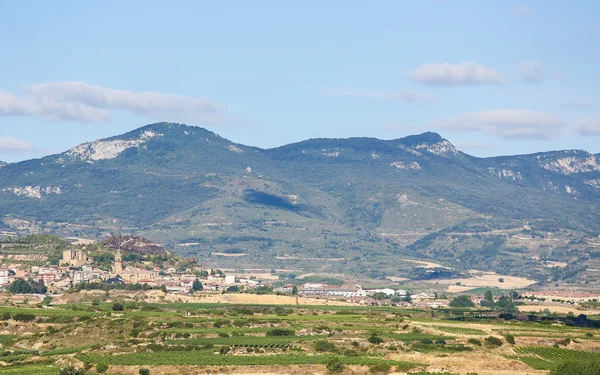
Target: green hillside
(354, 205)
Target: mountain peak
(430, 142)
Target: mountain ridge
(340, 198)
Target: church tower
(118, 265)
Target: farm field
(124, 336)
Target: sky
(493, 77)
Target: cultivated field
(116, 334)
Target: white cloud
(507, 123)
(465, 73)
(14, 145)
(587, 126)
(399, 96)
(521, 11)
(79, 101)
(531, 71)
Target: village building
(75, 258)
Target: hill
(357, 205)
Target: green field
(181, 335)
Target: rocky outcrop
(134, 244)
(34, 191)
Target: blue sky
(493, 77)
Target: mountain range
(357, 204)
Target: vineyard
(41, 339)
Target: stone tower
(118, 265)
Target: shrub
(101, 367)
(144, 371)
(382, 367)
(426, 341)
(510, 339)
(334, 365)
(462, 301)
(224, 349)
(72, 371)
(118, 306)
(355, 344)
(589, 334)
(323, 346)
(493, 341)
(474, 342)
(375, 340)
(281, 332)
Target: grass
(29, 369)
(460, 330)
(185, 358)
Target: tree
(488, 296)
(407, 297)
(22, 286)
(163, 288)
(493, 341)
(374, 339)
(294, 290)
(197, 285)
(506, 305)
(118, 306)
(144, 371)
(462, 301)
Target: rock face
(109, 149)
(134, 244)
(580, 162)
(34, 191)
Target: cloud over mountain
(14, 145)
(507, 123)
(465, 73)
(587, 126)
(80, 101)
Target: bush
(323, 346)
(334, 365)
(72, 371)
(426, 341)
(375, 340)
(474, 342)
(281, 332)
(510, 339)
(462, 301)
(382, 367)
(144, 371)
(493, 341)
(118, 306)
(224, 349)
(101, 367)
